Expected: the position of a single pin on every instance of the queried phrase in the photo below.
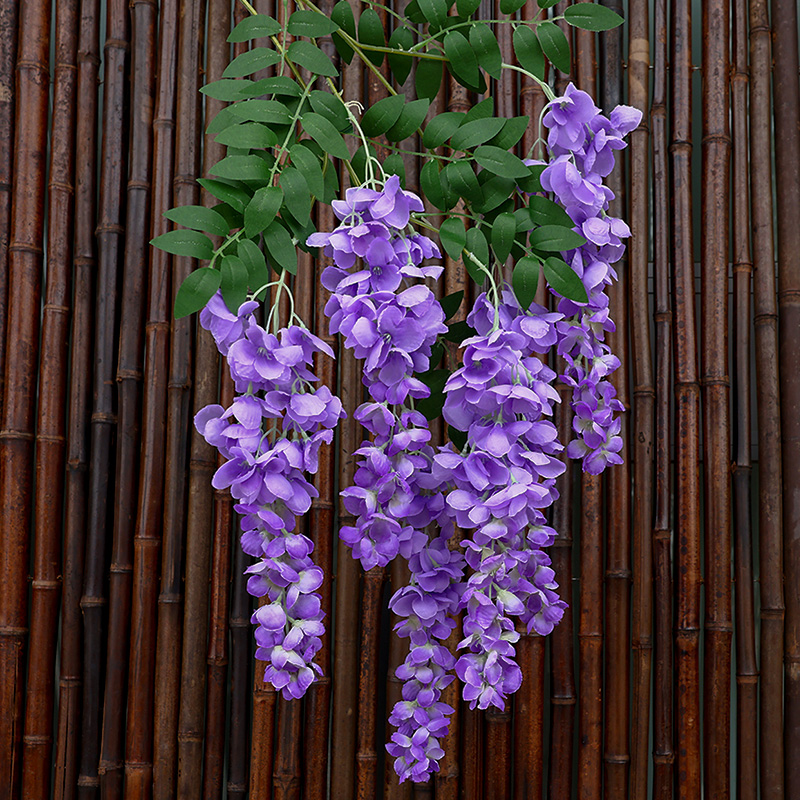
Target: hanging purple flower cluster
(271, 436)
(582, 144)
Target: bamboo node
(92, 602)
(23, 247)
(42, 584)
(13, 633)
(89, 780)
(118, 44)
(616, 758)
(120, 569)
(34, 739)
(716, 382)
(109, 227)
(50, 437)
(104, 416)
(129, 374)
(11, 434)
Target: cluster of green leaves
(284, 136)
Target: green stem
(545, 88)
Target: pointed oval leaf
(192, 244)
(400, 65)
(487, 51)
(555, 238)
(544, 211)
(555, 45)
(311, 24)
(269, 111)
(411, 117)
(431, 184)
(441, 128)
(504, 229)
(462, 62)
(255, 263)
(466, 8)
(247, 136)
(482, 110)
(510, 6)
(235, 196)
(278, 85)
(500, 162)
(297, 195)
(262, 209)
(463, 179)
(199, 218)
(308, 165)
(280, 247)
(453, 236)
(435, 11)
(342, 15)
(525, 280)
(233, 281)
(428, 78)
(564, 280)
(225, 90)
(380, 117)
(394, 165)
(512, 132)
(370, 31)
(330, 107)
(496, 191)
(478, 247)
(452, 302)
(250, 62)
(195, 291)
(592, 17)
(325, 135)
(241, 168)
(528, 51)
(471, 134)
(312, 58)
(254, 27)
(546, 3)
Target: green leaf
(379, 118)
(370, 31)
(325, 135)
(227, 90)
(262, 209)
(280, 247)
(312, 58)
(235, 196)
(269, 111)
(555, 45)
(297, 196)
(435, 11)
(512, 132)
(199, 218)
(466, 8)
(495, 192)
(413, 14)
(248, 135)
(546, 3)
(528, 51)
(359, 161)
(434, 379)
(478, 247)
(462, 62)
(504, 229)
(555, 238)
(458, 331)
(457, 437)
(532, 181)
(591, 17)
(431, 185)
(411, 117)
(451, 196)
(441, 128)
(500, 162)
(279, 85)
(482, 110)
(564, 280)
(463, 179)
(471, 134)
(224, 119)
(543, 211)
(241, 168)
(308, 165)
(196, 290)
(330, 107)
(185, 243)
(510, 6)
(250, 62)
(342, 15)
(428, 77)
(484, 45)
(452, 303)
(254, 27)
(400, 65)
(394, 165)
(525, 280)
(233, 282)
(453, 236)
(310, 24)
(255, 263)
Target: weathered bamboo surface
(126, 655)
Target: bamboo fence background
(126, 664)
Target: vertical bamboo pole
(716, 391)
(746, 666)
(786, 110)
(346, 587)
(687, 417)
(768, 409)
(83, 252)
(22, 328)
(9, 11)
(262, 760)
(240, 636)
(151, 470)
(663, 754)
(202, 464)
(616, 749)
(643, 400)
(129, 377)
(51, 420)
(110, 243)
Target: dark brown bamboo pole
(240, 636)
(770, 519)
(51, 420)
(616, 749)
(746, 665)
(9, 11)
(129, 377)
(200, 533)
(22, 328)
(83, 251)
(262, 760)
(643, 400)
(110, 244)
(687, 418)
(786, 110)
(716, 392)
(663, 752)
(346, 586)
(185, 191)
(151, 470)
